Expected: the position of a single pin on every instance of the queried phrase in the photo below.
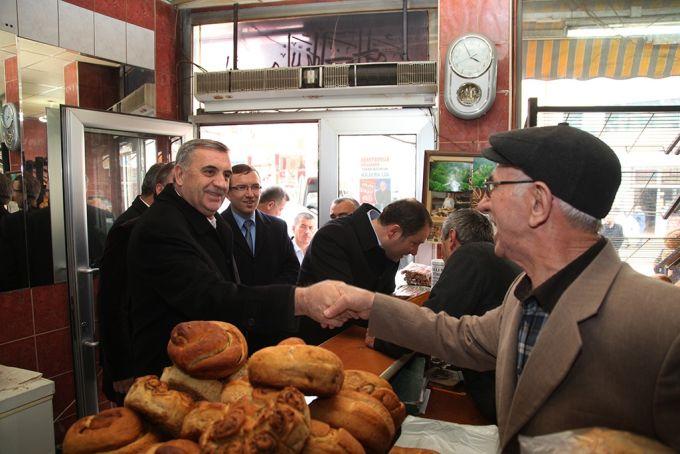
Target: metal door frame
(74, 122)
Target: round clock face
(470, 56)
(8, 114)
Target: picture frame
(452, 181)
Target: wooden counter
(445, 405)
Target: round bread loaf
(292, 341)
(371, 384)
(117, 430)
(233, 391)
(270, 421)
(361, 415)
(197, 388)
(207, 349)
(323, 439)
(312, 370)
(199, 419)
(161, 405)
(175, 447)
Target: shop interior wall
(36, 332)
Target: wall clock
(9, 121)
(470, 81)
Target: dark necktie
(246, 233)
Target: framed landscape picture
(452, 181)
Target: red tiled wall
(491, 18)
(166, 74)
(34, 139)
(97, 86)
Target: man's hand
(354, 302)
(313, 300)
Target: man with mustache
(262, 248)
(581, 339)
(180, 264)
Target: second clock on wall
(470, 81)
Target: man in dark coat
(113, 299)
(272, 259)
(180, 264)
(363, 249)
(474, 281)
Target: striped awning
(615, 58)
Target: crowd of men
(576, 337)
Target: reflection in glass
(377, 169)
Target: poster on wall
(375, 182)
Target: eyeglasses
(244, 187)
(489, 186)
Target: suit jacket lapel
(558, 344)
(506, 376)
(239, 239)
(260, 237)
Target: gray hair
(301, 216)
(470, 226)
(578, 219)
(187, 150)
(346, 199)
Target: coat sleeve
(182, 278)
(326, 258)
(469, 341)
(290, 267)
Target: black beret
(578, 167)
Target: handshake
(332, 303)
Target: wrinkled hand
(312, 301)
(353, 303)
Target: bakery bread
(323, 439)
(292, 341)
(161, 405)
(402, 450)
(373, 385)
(197, 388)
(174, 447)
(600, 440)
(200, 417)
(312, 370)
(207, 349)
(360, 414)
(233, 391)
(269, 421)
(116, 430)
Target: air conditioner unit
(343, 85)
(142, 101)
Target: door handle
(87, 270)
(90, 343)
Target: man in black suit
(363, 249)
(180, 264)
(474, 281)
(113, 299)
(263, 250)
(143, 200)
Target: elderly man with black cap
(581, 340)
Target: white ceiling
(41, 71)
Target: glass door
(104, 161)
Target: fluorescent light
(42, 118)
(624, 30)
